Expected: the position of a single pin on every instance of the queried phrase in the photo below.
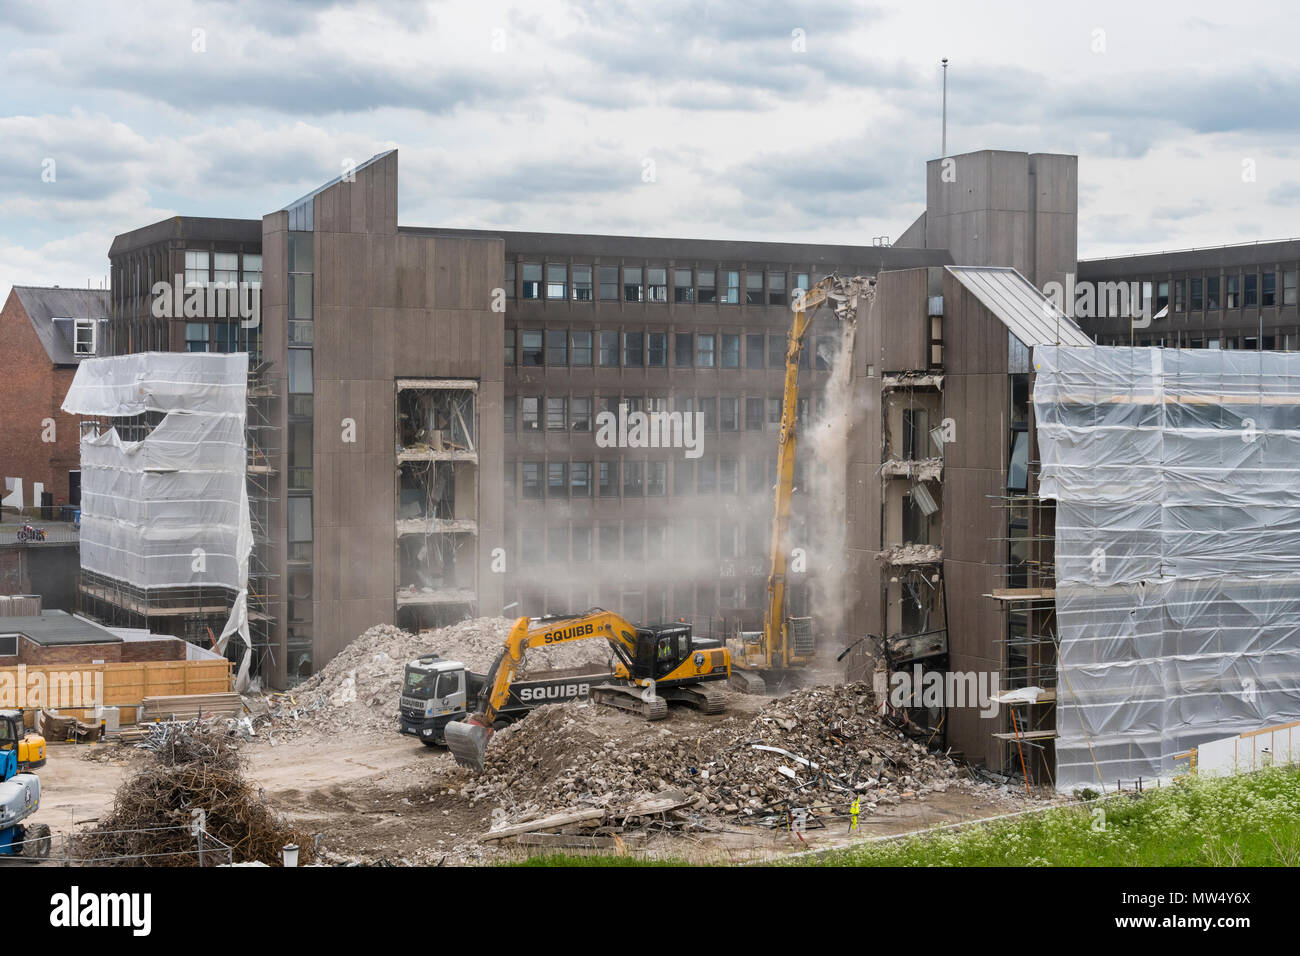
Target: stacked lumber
(189, 706)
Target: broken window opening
(435, 419)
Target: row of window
(202, 267)
(559, 281)
(577, 413)
(566, 348)
(1208, 293)
(635, 541)
(1185, 339)
(698, 603)
(643, 479)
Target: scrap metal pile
(190, 767)
(818, 748)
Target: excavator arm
(844, 293)
(468, 739)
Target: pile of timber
(190, 706)
(591, 827)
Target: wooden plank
(575, 842)
(545, 823)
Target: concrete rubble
(818, 747)
(358, 690)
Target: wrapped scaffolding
(1178, 579)
(170, 510)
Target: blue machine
(20, 797)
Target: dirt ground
(391, 799)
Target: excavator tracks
(706, 698)
(748, 682)
(630, 698)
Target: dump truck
(438, 690)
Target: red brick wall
(32, 653)
(167, 649)
(33, 390)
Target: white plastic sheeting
(1178, 570)
(170, 510)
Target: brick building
(44, 335)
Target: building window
(1162, 295)
(632, 479)
(709, 409)
(729, 413)
(1212, 292)
(580, 409)
(776, 288)
(608, 282)
(753, 414)
(557, 414)
(508, 414)
(530, 545)
(753, 288)
(657, 349)
(1288, 287)
(682, 290)
(706, 478)
(196, 267)
(300, 381)
(1232, 298)
(557, 479)
(632, 290)
(776, 351)
(300, 529)
(1198, 295)
(510, 348)
(609, 349)
(557, 280)
(1250, 297)
(532, 280)
(557, 347)
(683, 476)
(510, 280)
(582, 283)
(704, 350)
(733, 288)
(656, 479)
(196, 336)
(557, 544)
(1018, 469)
(1268, 289)
(634, 349)
(532, 479)
(531, 412)
(225, 269)
(580, 479)
(755, 347)
(657, 285)
(632, 537)
(774, 411)
(708, 287)
(83, 337)
(801, 281)
(531, 346)
(581, 354)
(756, 483)
(1180, 293)
(731, 351)
(608, 471)
(253, 269)
(729, 476)
(683, 346)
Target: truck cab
(434, 693)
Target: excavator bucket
(468, 742)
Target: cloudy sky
(748, 119)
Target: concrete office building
(1231, 297)
(431, 400)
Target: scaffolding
(263, 444)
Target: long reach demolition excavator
(786, 643)
(656, 664)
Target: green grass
(1249, 820)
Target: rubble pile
(190, 766)
(358, 690)
(817, 747)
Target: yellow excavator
(656, 664)
(786, 643)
